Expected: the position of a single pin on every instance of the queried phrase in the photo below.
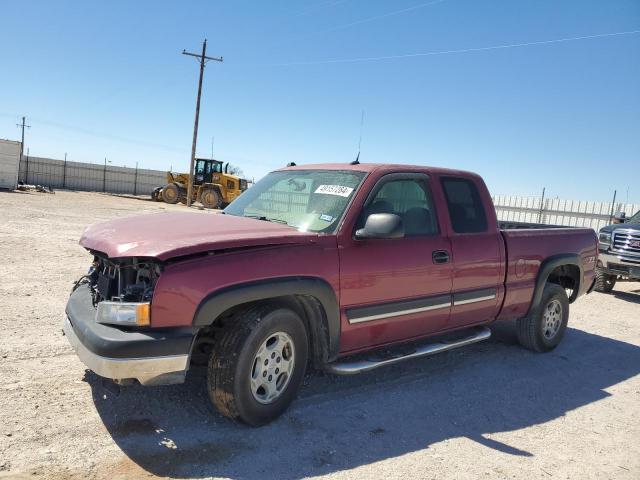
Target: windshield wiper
(267, 219)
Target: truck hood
(620, 226)
(169, 235)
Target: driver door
(397, 288)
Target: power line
(447, 52)
(84, 131)
(367, 19)
(202, 60)
(383, 15)
(319, 7)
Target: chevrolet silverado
(315, 265)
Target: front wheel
(171, 193)
(542, 330)
(257, 364)
(604, 281)
(210, 198)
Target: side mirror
(381, 225)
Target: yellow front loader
(213, 187)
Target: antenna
(357, 160)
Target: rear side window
(465, 207)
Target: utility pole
(202, 59)
(23, 125)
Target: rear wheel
(171, 193)
(257, 364)
(604, 281)
(542, 330)
(210, 198)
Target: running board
(359, 366)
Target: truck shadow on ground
(633, 296)
(340, 423)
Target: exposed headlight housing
(604, 238)
(131, 314)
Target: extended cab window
(465, 206)
(411, 200)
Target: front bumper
(153, 357)
(616, 264)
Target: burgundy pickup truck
(314, 265)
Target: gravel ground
(492, 410)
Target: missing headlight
(129, 280)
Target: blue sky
(100, 79)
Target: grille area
(626, 242)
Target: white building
(9, 163)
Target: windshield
(308, 200)
(635, 218)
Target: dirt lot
(491, 410)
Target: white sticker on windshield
(334, 190)
(326, 218)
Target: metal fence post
(135, 181)
(541, 205)
(613, 205)
(64, 171)
(26, 175)
(104, 176)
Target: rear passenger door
(476, 253)
(392, 289)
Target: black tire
(232, 363)
(604, 281)
(171, 193)
(210, 198)
(533, 330)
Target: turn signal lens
(124, 313)
(142, 314)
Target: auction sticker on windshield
(334, 190)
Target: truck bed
(527, 252)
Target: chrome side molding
(400, 308)
(358, 366)
(473, 300)
(399, 313)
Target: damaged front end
(122, 289)
(108, 324)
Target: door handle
(440, 256)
